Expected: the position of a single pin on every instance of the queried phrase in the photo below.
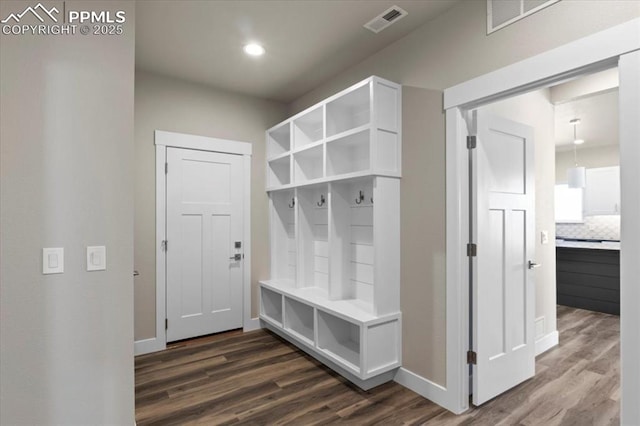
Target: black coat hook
(321, 202)
(360, 198)
(293, 203)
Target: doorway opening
(586, 56)
(581, 300)
(198, 213)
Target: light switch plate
(544, 237)
(96, 258)
(53, 260)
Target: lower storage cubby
(271, 305)
(364, 348)
(299, 320)
(340, 339)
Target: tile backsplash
(594, 227)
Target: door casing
(164, 139)
(616, 46)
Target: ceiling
(307, 41)
(599, 121)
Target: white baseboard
(147, 346)
(547, 342)
(252, 324)
(426, 388)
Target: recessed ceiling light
(578, 141)
(253, 49)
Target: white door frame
(164, 140)
(595, 52)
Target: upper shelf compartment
(279, 140)
(351, 110)
(309, 127)
(354, 133)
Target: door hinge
(472, 357)
(471, 142)
(164, 245)
(166, 324)
(166, 168)
(472, 250)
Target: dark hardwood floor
(257, 378)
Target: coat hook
(360, 198)
(293, 203)
(371, 200)
(321, 202)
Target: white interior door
(503, 229)
(204, 222)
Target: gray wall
(446, 51)
(66, 148)
(422, 233)
(163, 103)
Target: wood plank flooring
(257, 378)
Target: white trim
(147, 346)
(629, 101)
(202, 143)
(594, 50)
(426, 388)
(161, 232)
(246, 231)
(523, 14)
(251, 324)
(547, 342)
(587, 54)
(457, 264)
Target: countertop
(604, 245)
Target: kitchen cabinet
(589, 278)
(602, 192)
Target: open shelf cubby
(299, 319)
(308, 164)
(279, 140)
(351, 110)
(308, 128)
(352, 238)
(271, 305)
(349, 154)
(340, 339)
(313, 232)
(280, 171)
(283, 238)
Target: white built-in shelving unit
(333, 177)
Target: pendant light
(576, 176)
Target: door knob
(533, 264)
(236, 257)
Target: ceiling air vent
(386, 18)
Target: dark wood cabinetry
(588, 279)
